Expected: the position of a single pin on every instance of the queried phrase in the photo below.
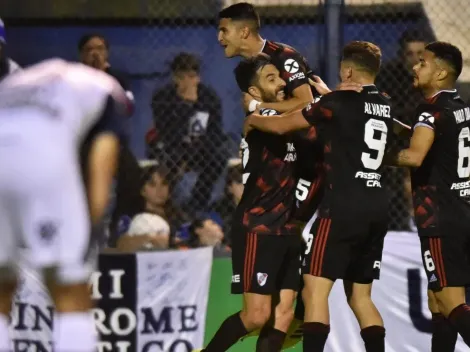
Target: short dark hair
(364, 54)
(84, 39)
(242, 11)
(246, 71)
(448, 53)
(414, 35)
(185, 62)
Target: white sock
(75, 332)
(5, 341)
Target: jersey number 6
(463, 165)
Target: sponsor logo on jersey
(291, 66)
(299, 75)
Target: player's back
(441, 185)
(68, 97)
(355, 140)
(269, 178)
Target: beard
(269, 97)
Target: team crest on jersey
(291, 66)
(425, 116)
(262, 278)
(268, 112)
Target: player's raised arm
(294, 73)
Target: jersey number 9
(375, 136)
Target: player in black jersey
(265, 241)
(439, 152)
(239, 27)
(349, 232)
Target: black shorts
(446, 259)
(345, 249)
(265, 264)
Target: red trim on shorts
(250, 258)
(435, 245)
(316, 265)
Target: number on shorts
(245, 156)
(463, 164)
(301, 192)
(428, 262)
(309, 243)
(377, 145)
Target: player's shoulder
(81, 74)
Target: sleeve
(319, 112)
(112, 119)
(427, 116)
(293, 70)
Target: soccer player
(46, 112)
(265, 243)
(439, 152)
(348, 235)
(239, 34)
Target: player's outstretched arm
(421, 141)
(276, 124)
(102, 165)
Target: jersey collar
(447, 91)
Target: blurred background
(180, 178)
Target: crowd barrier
(175, 301)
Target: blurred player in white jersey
(46, 112)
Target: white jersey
(72, 94)
(46, 112)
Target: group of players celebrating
(313, 162)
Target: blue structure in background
(149, 49)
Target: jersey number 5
(463, 165)
(375, 136)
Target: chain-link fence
(188, 114)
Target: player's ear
(254, 92)
(442, 74)
(245, 32)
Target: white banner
(400, 296)
(152, 302)
(32, 314)
(172, 299)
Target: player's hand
(319, 85)
(246, 101)
(350, 86)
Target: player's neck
(363, 81)
(253, 46)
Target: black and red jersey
(269, 177)
(295, 70)
(441, 185)
(355, 130)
